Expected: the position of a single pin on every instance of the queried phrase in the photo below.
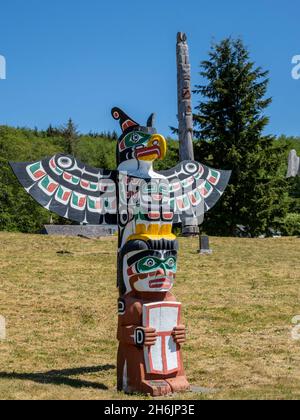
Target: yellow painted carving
(156, 140)
(165, 230)
(157, 230)
(153, 229)
(146, 237)
(140, 229)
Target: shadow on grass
(61, 377)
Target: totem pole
(185, 115)
(184, 94)
(293, 164)
(145, 204)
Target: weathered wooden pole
(185, 111)
(185, 114)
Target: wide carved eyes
(171, 263)
(153, 263)
(150, 263)
(135, 138)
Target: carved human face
(151, 271)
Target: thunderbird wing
(71, 189)
(194, 189)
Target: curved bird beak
(155, 149)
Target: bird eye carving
(135, 138)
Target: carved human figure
(146, 361)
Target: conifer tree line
(231, 126)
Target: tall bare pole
(185, 115)
(185, 111)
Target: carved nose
(161, 271)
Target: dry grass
(61, 317)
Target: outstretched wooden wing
(194, 188)
(71, 189)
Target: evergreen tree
(230, 124)
(52, 131)
(70, 134)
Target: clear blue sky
(75, 58)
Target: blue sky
(75, 58)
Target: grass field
(58, 296)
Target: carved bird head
(138, 143)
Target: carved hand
(150, 336)
(179, 334)
(145, 336)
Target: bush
(291, 225)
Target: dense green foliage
(230, 124)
